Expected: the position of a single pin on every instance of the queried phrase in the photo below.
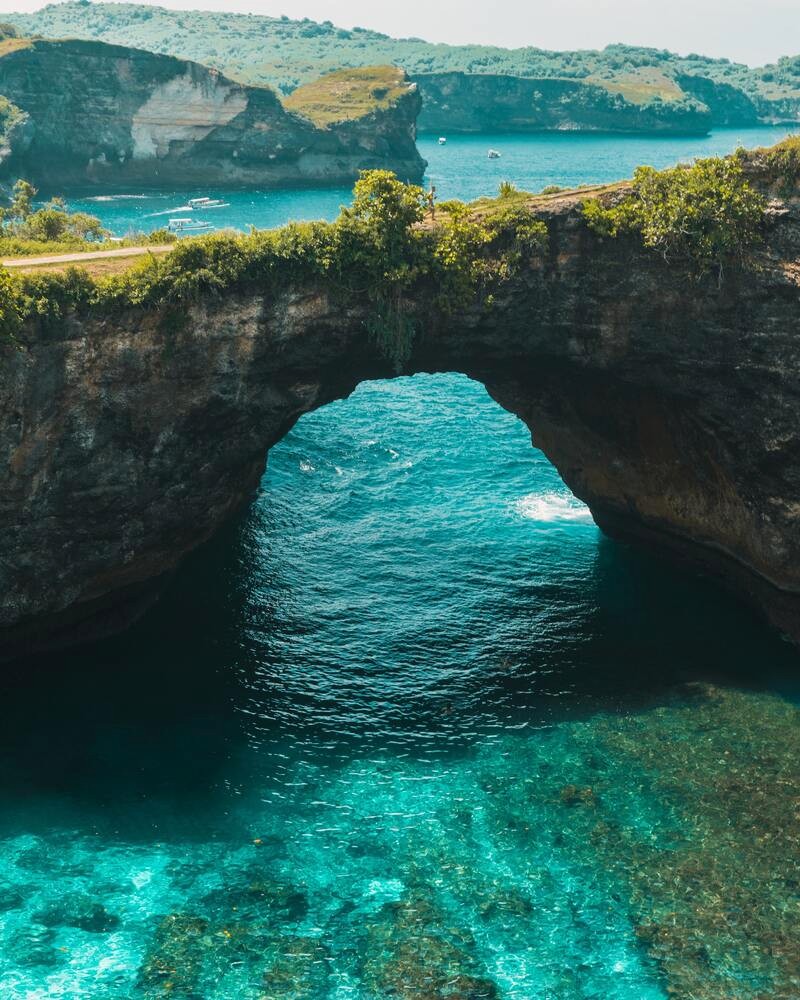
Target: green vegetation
(380, 249)
(783, 161)
(643, 85)
(348, 94)
(286, 53)
(702, 215)
(25, 230)
(10, 116)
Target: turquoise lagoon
(410, 726)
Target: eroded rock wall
(669, 405)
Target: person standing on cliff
(432, 201)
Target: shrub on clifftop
(705, 215)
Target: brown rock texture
(670, 405)
(121, 118)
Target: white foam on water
(552, 507)
(119, 197)
(170, 211)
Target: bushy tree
(53, 223)
(22, 200)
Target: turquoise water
(460, 169)
(410, 727)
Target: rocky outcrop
(671, 406)
(117, 117)
(483, 102)
(729, 106)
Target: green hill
(287, 54)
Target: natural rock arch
(669, 406)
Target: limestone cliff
(483, 102)
(118, 117)
(671, 406)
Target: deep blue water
(408, 727)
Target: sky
(743, 30)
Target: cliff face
(729, 106)
(116, 117)
(671, 407)
(464, 102)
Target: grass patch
(348, 94)
(642, 87)
(103, 267)
(9, 45)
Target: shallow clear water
(409, 727)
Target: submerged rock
(33, 946)
(174, 961)
(412, 951)
(11, 898)
(78, 910)
(260, 897)
(572, 795)
(299, 972)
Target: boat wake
(552, 507)
(119, 197)
(170, 211)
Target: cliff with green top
(484, 102)
(84, 113)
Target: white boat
(207, 203)
(442, 140)
(187, 225)
(494, 154)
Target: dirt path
(79, 258)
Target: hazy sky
(744, 30)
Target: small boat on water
(494, 154)
(188, 225)
(442, 140)
(208, 203)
